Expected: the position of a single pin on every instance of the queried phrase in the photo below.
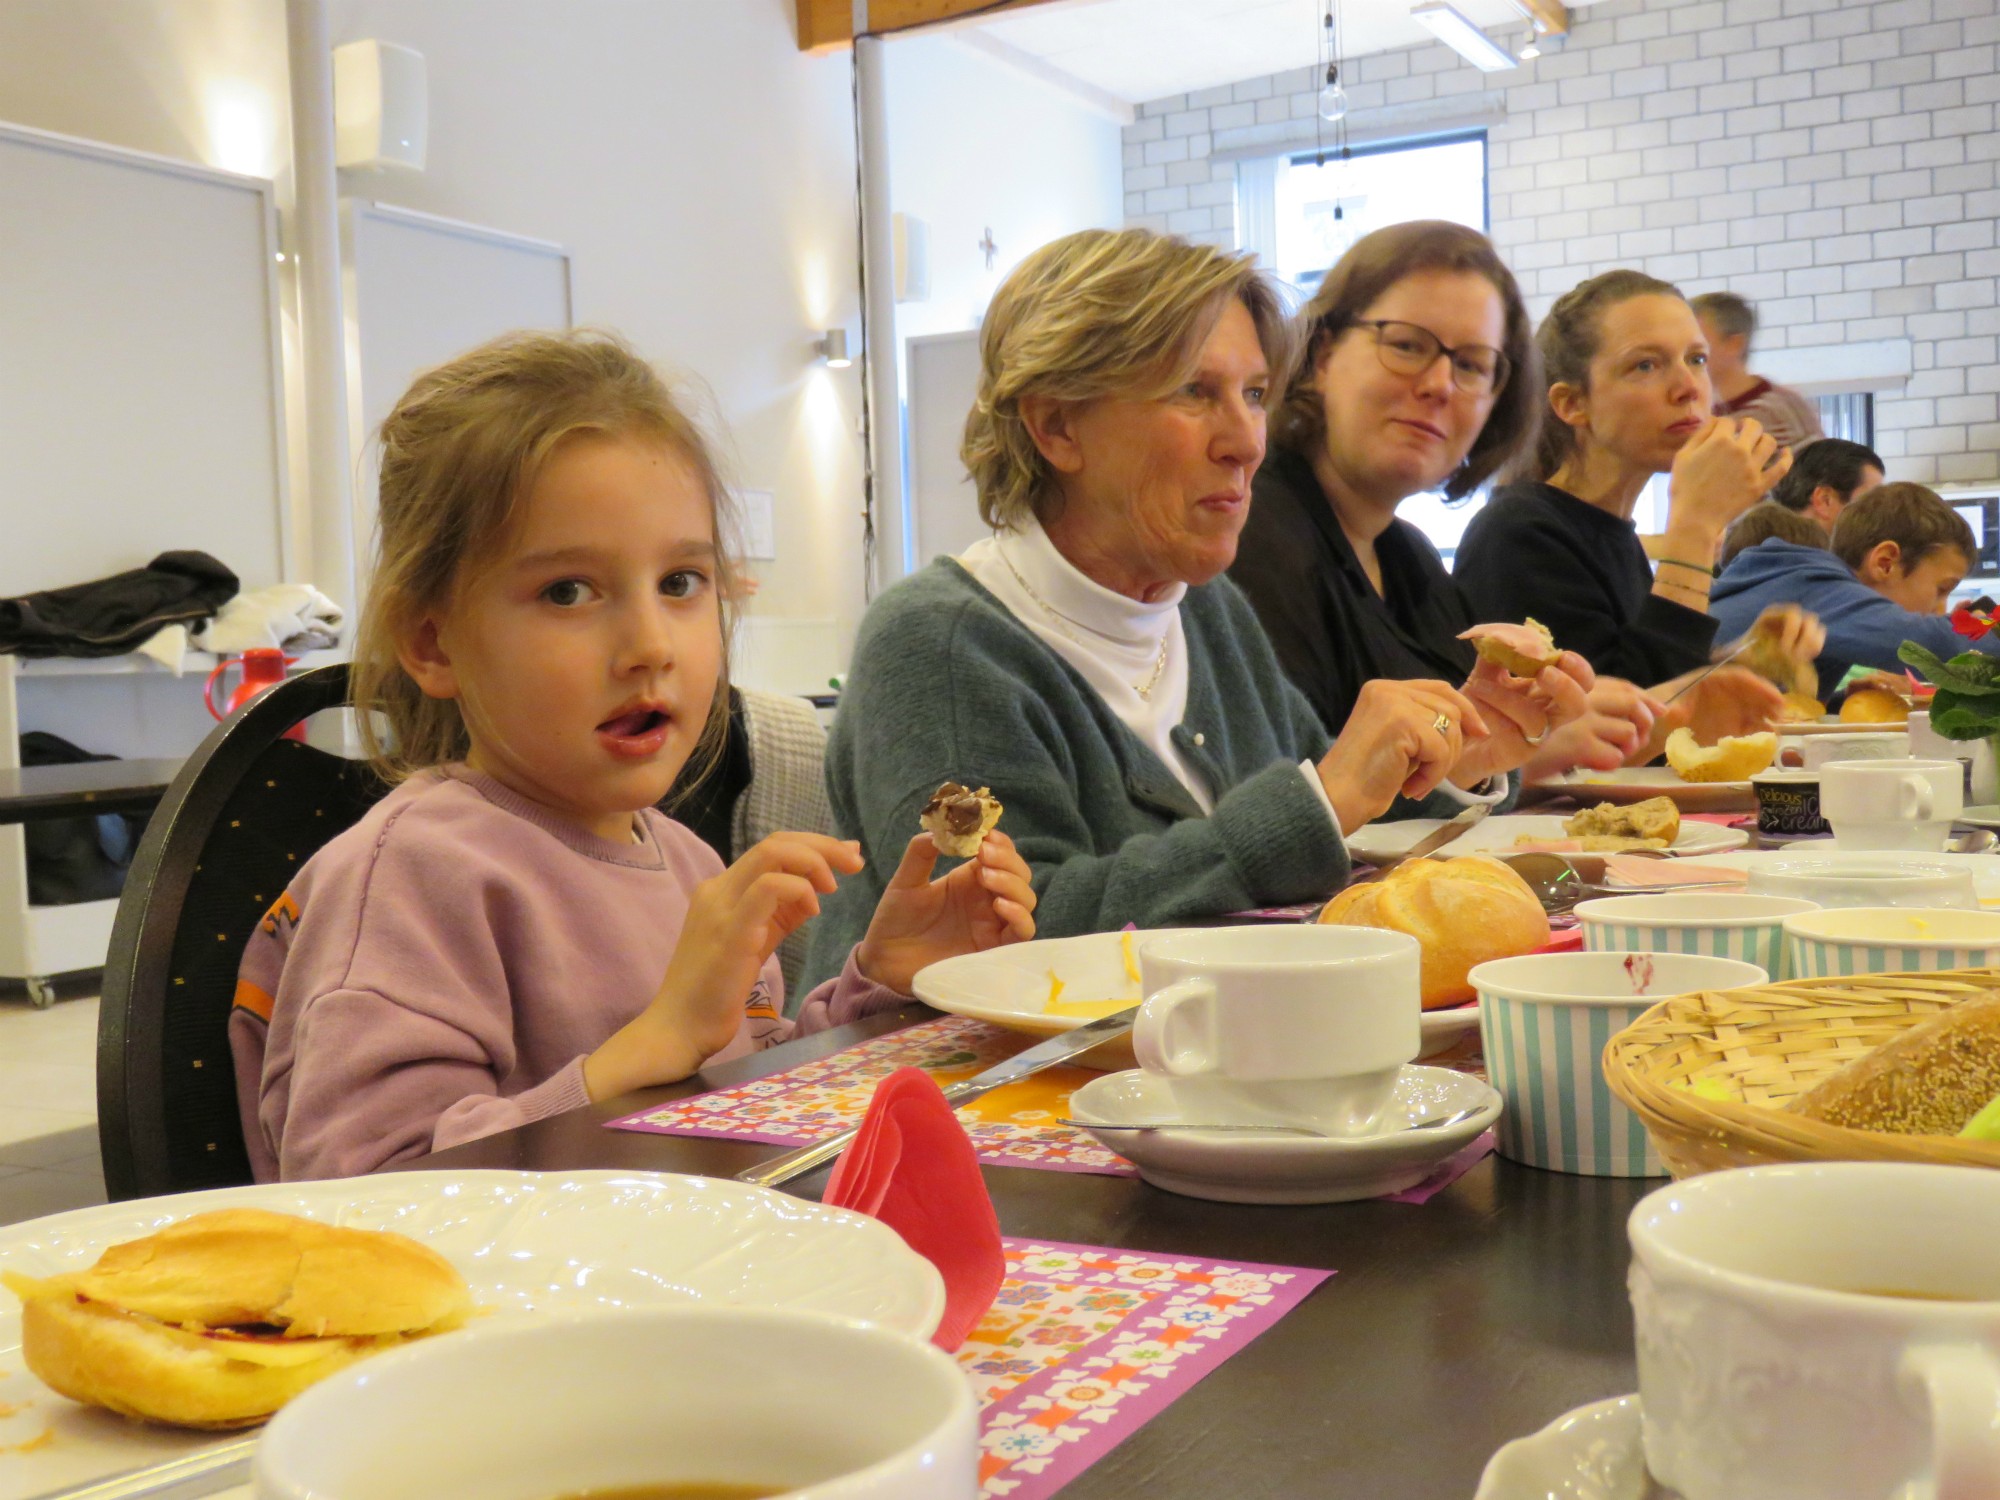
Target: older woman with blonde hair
(1089, 662)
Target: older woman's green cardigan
(947, 685)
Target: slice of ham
(1628, 869)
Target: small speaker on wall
(913, 258)
(381, 107)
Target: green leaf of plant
(1972, 674)
(1958, 717)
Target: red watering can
(263, 668)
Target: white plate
(1502, 835)
(527, 1243)
(1631, 784)
(1986, 816)
(1985, 868)
(1009, 987)
(1258, 1168)
(1592, 1453)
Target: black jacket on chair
(1331, 630)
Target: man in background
(1727, 322)
(1826, 477)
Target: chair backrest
(246, 812)
(786, 794)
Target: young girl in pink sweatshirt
(515, 930)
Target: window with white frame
(1300, 213)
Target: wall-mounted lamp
(833, 349)
(1451, 27)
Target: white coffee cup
(1280, 1025)
(1891, 804)
(1788, 1344)
(1815, 750)
(819, 1407)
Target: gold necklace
(1061, 624)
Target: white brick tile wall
(1833, 160)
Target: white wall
(974, 145)
(1832, 160)
(697, 165)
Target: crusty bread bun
(1801, 708)
(1462, 911)
(958, 818)
(1874, 706)
(1733, 758)
(1928, 1080)
(220, 1319)
(1655, 818)
(1525, 650)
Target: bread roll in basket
(1462, 911)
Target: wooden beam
(827, 25)
(1550, 17)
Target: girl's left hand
(1520, 712)
(983, 903)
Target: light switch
(757, 510)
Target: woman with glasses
(1420, 375)
(1625, 379)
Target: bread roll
(220, 1319)
(1524, 650)
(1734, 758)
(958, 818)
(1928, 1080)
(1461, 911)
(1655, 818)
(1874, 706)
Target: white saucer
(1442, 1028)
(1592, 1453)
(1252, 1167)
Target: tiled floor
(48, 1109)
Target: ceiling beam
(1549, 17)
(827, 25)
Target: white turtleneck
(1115, 643)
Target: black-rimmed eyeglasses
(1407, 349)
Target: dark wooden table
(1450, 1328)
(32, 793)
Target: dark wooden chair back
(246, 812)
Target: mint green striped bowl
(1890, 940)
(1545, 1020)
(1750, 928)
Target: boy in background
(1897, 554)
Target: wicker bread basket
(1763, 1047)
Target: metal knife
(1431, 842)
(781, 1169)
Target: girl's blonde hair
(459, 451)
(1100, 313)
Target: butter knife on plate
(1057, 1049)
(1433, 841)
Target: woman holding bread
(1626, 385)
(1088, 662)
(1420, 375)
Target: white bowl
(823, 1408)
(1858, 878)
(1546, 1019)
(1750, 928)
(1890, 940)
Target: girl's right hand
(1401, 739)
(735, 921)
(1617, 724)
(1720, 472)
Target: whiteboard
(944, 508)
(141, 389)
(418, 290)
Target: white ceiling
(1137, 50)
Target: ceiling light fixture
(1451, 27)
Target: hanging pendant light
(1332, 98)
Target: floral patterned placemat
(1013, 1126)
(1085, 1345)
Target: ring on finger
(1537, 738)
(1442, 723)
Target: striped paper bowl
(1890, 940)
(1750, 928)
(1545, 1020)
